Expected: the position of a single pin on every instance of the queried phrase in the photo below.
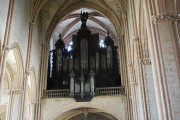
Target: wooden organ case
(86, 67)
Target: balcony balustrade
(65, 93)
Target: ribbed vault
(63, 16)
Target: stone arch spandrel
(76, 112)
(107, 109)
(53, 108)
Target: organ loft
(86, 66)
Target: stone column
(6, 40)
(163, 35)
(130, 106)
(43, 78)
(13, 107)
(28, 63)
(138, 89)
(34, 110)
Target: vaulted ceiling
(63, 17)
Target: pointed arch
(72, 106)
(58, 17)
(15, 62)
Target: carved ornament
(34, 102)
(166, 18)
(14, 91)
(135, 39)
(145, 61)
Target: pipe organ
(86, 66)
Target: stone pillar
(14, 104)
(43, 78)
(28, 63)
(34, 110)
(130, 106)
(163, 35)
(6, 40)
(44, 64)
(138, 88)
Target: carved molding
(125, 16)
(166, 18)
(135, 39)
(7, 48)
(14, 91)
(130, 64)
(134, 83)
(34, 103)
(145, 61)
(28, 72)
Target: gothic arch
(14, 70)
(75, 112)
(58, 17)
(16, 64)
(38, 5)
(6, 84)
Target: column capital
(28, 72)
(130, 64)
(124, 16)
(135, 38)
(34, 102)
(145, 61)
(6, 48)
(14, 91)
(134, 83)
(166, 18)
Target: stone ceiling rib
(60, 15)
(70, 26)
(102, 25)
(78, 15)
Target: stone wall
(56, 107)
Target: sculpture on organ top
(84, 16)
